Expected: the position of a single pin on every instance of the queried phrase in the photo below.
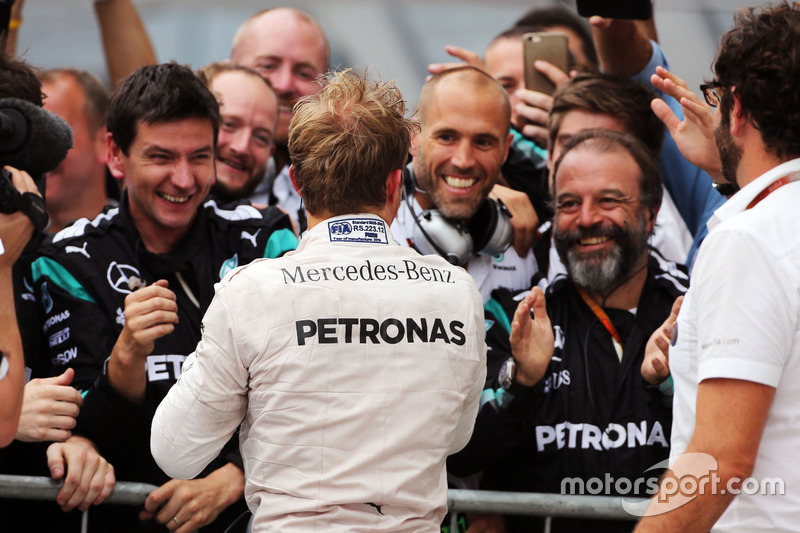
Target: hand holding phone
(545, 46)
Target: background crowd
(584, 194)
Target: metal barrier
(479, 501)
(536, 504)
(44, 488)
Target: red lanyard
(777, 184)
(602, 317)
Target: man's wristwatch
(507, 373)
(507, 379)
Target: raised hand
(694, 135)
(467, 57)
(655, 366)
(534, 107)
(150, 313)
(532, 340)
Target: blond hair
(345, 140)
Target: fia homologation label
(366, 230)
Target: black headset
(487, 232)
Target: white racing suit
(354, 366)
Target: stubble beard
(455, 208)
(729, 153)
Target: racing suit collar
(163, 265)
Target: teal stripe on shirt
(499, 313)
(44, 266)
(280, 242)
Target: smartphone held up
(545, 46)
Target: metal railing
(479, 501)
(44, 488)
(537, 504)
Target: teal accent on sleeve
(504, 398)
(666, 387)
(527, 146)
(499, 313)
(486, 396)
(44, 266)
(500, 396)
(281, 241)
(84, 393)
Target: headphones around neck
(487, 232)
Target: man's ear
(508, 145)
(394, 195)
(294, 180)
(652, 213)
(739, 118)
(414, 141)
(394, 186)
(114, 158)
(100, 145)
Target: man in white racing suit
(354, 365)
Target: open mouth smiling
(234, 164)
(590, 241)
(174, 199)
(460, 183)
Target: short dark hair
(608, 94)
(605, 141)
(159, 93)
(759, 58)
(345, 141)
(547, 17)
(18, 80)
(97, 95)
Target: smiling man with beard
(464, 118)
(565, 397)
(599, 257)
(248, 107)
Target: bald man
(289, 48)
(464, 117)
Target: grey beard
(595, 276)
(601, 271)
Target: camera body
(9, 195)
(28, 203)
(35, 141)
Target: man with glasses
(735, 355)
